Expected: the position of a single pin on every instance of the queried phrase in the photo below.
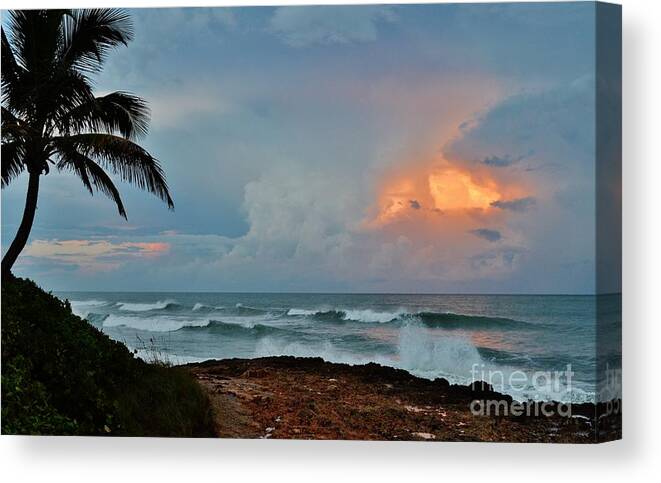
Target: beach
(308, 398)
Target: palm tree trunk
(23, 232)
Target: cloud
(519, 205)
(556, 124)
(172, 108)
(325, 25)
(502, 161)
(93, 255)
(493, 261)
(487, 234)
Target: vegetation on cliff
(61, 376)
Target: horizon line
(517, 294)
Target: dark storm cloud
(487, 234)
(519, 205)
(502, 161)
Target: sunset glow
(438, 189)
(452, 189)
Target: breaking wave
(449, 320)
(145, 307)
(228, 328)
(451, 357)
(429, 337)
(446, 320)
(82, 308)
(200, 307)
(152, 324)
(240, 309)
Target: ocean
(537, 347)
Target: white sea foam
(295, 312)
(448, 356)
(143, 307)
(153, 324)
(247, 322)
(414, 344)
(89, 302)
(200, 306)
(368, 315)
(82, 308)
(354, 315)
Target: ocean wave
(449, 320)
(96, 318)
(241, 309)
(368, 315)
(145, 307)
(303, 312)
(152, 324)
(353, 315)
(82, 308)
(452, 357)
(200, 307)
(91, 302)
(230, 328)
(446, 320)
(506, 357)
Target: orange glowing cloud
(94, 255)
(424, 191)
(453, 189)
(428, 216)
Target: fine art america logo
(558, 383)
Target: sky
(421, 148)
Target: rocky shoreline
(308, 398)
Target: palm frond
(37, 84)
(118, 112)
(92, 176)
(36, 36)
(13, 128)
(9, 65)
(122, 157)
(13, 155)
(65, 92)
(10, 69)
(90, 34)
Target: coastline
(307, 398)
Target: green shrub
(60, 375)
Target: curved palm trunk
(23, 232)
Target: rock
(426, 436)
(480, 387)
(250, 373)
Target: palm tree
(51, 116)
